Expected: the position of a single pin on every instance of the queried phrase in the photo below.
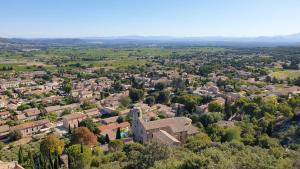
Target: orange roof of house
(110, 119)
(32, 112)
(4, 113)
(113, 126)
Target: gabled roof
(53, 108)
(165, 138)
(20, 116)
(4, 113)
(91, 110)
(4, 128)
(30, 124)
(176, 124)
(73, 116)
(32, 112)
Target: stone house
(170, 131)
(4, 115)
(31, 127)
(73, 120)
(10, 165)
(32, 113)
(59, 109)
(4, 131)
(92, 113)
(109, 120)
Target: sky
(178, 18)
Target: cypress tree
(37, 161)
(31, 161)
(69, 160)
(107, 140)
(70, 131)
(227, 108)
(56, 161)
(21, 156)
(118, 136)
(42, 162)
(270, 129)
(50, 160)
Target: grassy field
(116, 53)
(23, 67)
(98, 57)
(120, 63)
(112, 63)
(284, 74)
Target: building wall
(72, 123)
(29, 131)
(137, 127)
(142, 135)
(10, 165)
(4, 116)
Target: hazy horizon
(147, 36)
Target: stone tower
(136, 122)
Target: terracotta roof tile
(113, 126)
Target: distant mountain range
(293, 39)
(286, 38)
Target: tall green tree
(50, 159)
(78, 160)
(67, 87)
(30, 160)
(21, 156)
(81, 148)
(227, 108)
(107, 140)
(118, 135)
(69, 129)
(53, 144)
(56, 160)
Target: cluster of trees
(162, 97)
(253, 142)
(67, 86)
(190, 101)
(136, 94)
(293, 65)
(6, 68)
(87, 105)
(15, 135)
(198, 152)
(250, 143)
